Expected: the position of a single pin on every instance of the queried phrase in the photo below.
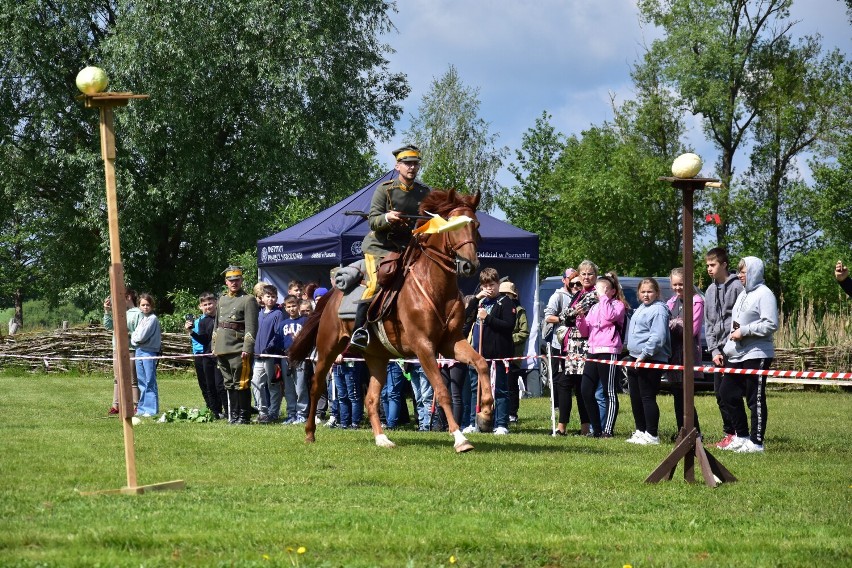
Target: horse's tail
(306, 340)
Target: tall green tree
(708, 56)
(458, 149)
(804, 95)
(253, 103)
(530, 203)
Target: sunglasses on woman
(576, 284)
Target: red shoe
(725, 442)
(113, 410)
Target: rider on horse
(390, 231)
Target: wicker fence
(90, 349)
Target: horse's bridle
(448, 257)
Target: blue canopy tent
(308, 251)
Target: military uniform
(385, 237)
(236, 328)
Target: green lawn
(526, 499)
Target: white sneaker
(736, 443)
(469, 430)
(500, 431)
(645, 439)
(749, 447)
(634, 439)
(331, 422)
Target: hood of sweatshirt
(754, 272)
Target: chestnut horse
(426, 319)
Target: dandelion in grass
(452, 559)
(299, 551)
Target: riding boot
(233, 407)
(244, 402)
(361, 336)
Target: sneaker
(724, 442)
(299, 420)
(736, 443)
(749, 447)
(263, 418)
(289, 421)
(648, 440)
(500, 431)
(469, 430)
(113, 410)
(636, 437)
(331, 422)
(513, 419)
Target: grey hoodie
(718, 302)
(756, 312)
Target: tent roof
(332, 237)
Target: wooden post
(106, 102)
(688, 446)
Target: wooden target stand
(106, 102)
(687, 445)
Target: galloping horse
(426, 319)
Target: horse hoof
(382, 441)
(484, 423)
(463, 447)
(309, 439)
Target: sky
(566, 57)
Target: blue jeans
(350, 404)
(501, 395)
(296, 388)
(146, 373)
(468, 395)
(392, 394)
(423, 395)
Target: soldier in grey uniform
(233, 344)
(389, 231)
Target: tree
(803, 95)
(708, 57)
(529, 204)
(254, 103)
(458, 150)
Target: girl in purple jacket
(603, 325)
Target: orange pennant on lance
(438, 224)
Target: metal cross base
(688, 447)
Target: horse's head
(461, 244)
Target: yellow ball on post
(92, 80)
(687, 165)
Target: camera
(189, 317)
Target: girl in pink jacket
(604, 325)
(675, 305)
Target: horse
(426, 319)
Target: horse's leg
(325, 358)
(462, 351)
(442, 396)
(378, 375)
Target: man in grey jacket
(750, 345)
(718, 302)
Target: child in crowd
(520, 335)
(718, 303)
(134, 316)
(294, 288)
(489, 323)
(750, 346)
(209, 377)
(675, 306)
(647, 341)
(264, 382)
(350, 399)
(147, 337)
(306, 308)
(295, 379)
(602, 325)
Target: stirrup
(360, 338)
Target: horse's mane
(441, 202)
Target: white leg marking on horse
(461, 443)
(382, 441)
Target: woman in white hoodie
(750, 346)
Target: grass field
(253, 493)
